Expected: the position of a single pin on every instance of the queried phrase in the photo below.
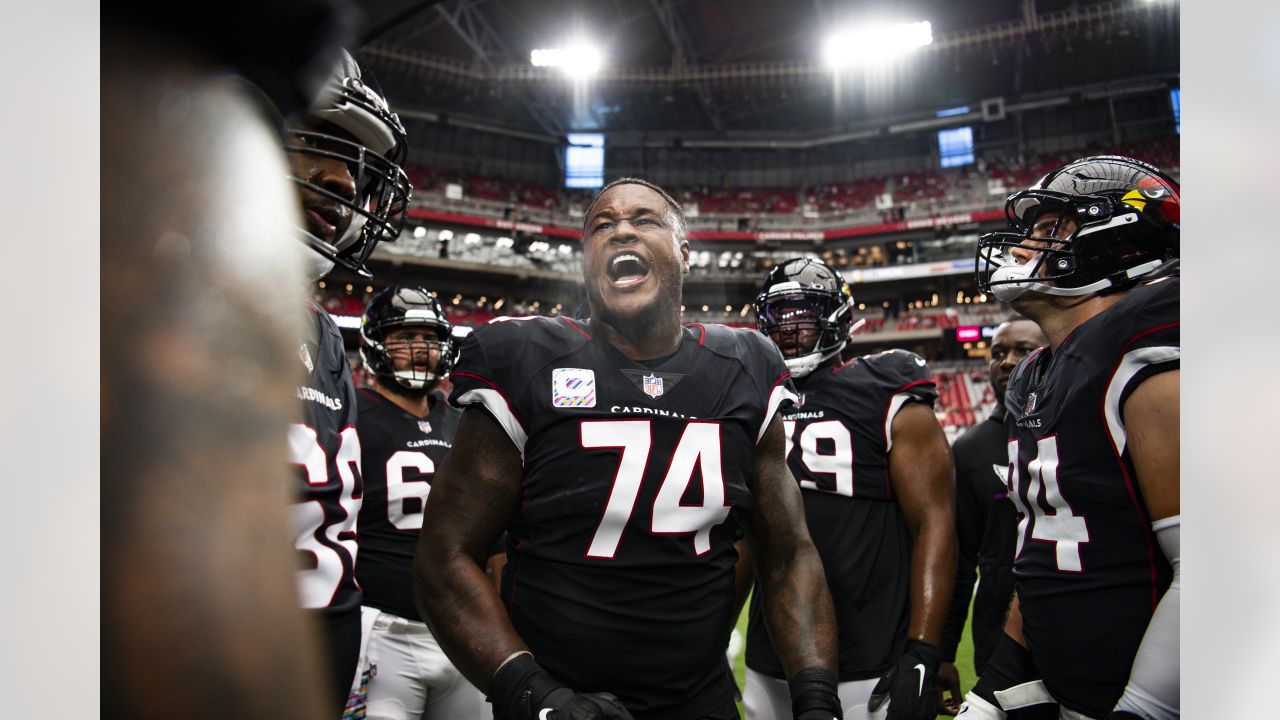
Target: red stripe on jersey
(574, 325)
(703, 330)
(779, 381)
(908, 386)
(1124, 470)
(841, 367)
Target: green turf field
(964, 657)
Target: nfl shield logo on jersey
(652, 386)
(304, 354)
(1031, 403)
(424, 426)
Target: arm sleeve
(1153, 689)
(968, 535)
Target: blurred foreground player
(405, 429)
(199, 300)
(625, 454)
(986, 520)
(876, 476)
(345, 156)
(1093, 444)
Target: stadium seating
(921, 192)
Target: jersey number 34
(1062, 527)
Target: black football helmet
(1127, 216)
(806, 294)
(375, 161)
(399, 307)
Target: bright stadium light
(874, 44)
(577, 59)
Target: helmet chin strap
(1008, 291)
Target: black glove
(522, 690)
(1123, 715)
(911, 685)
(814, 695)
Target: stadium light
(874, 44)
(577, 60)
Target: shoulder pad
(733, 342)
(898, 367)
(531, 333)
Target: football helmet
(1126, 214)
(806, 294)
(374, 160)
(400, 307)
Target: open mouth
(627, 270)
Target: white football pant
(409, 676)
(766, 698)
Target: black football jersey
(986, 529)
(401, 454)
(839, 435)
(620, 560)
(1088, 571)
(323, 444)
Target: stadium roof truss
(683, 71)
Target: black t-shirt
(401, 454)
(637, 481)
(839, 436)
(325, 447)
(986, 529)
(1088, 570)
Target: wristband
(513, 680)
(814, 688)
(1010, 665)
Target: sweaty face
(326, 218)
(633, 260)
(1012, 342)
(414, 348)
